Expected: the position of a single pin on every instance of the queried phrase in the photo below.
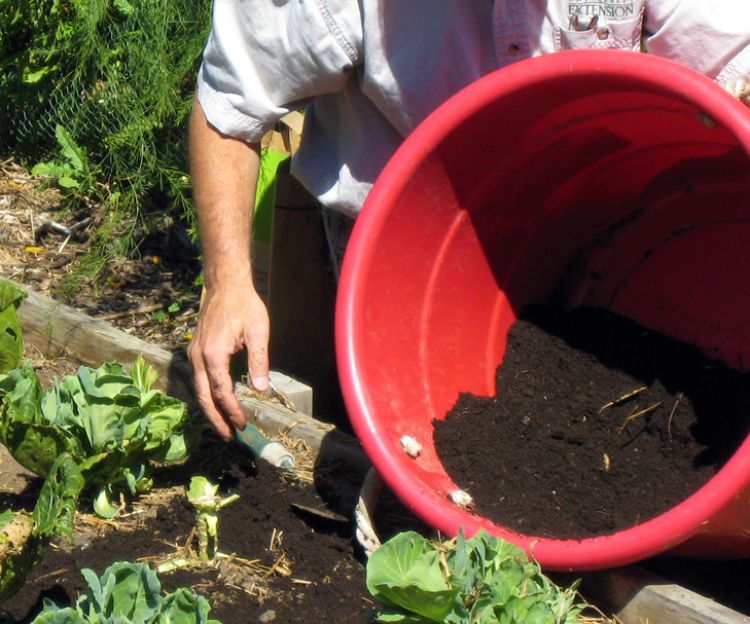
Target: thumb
(257, 362)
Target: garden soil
(291, 557)
(597, 425)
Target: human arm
(262, 60)
(224, 173)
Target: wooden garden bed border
(55, 329)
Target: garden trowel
(251, 440)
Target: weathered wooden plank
(327, 443)
(55, 329)
(636, 596)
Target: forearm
(232, 317)
(224, 174)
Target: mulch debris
(152, 293)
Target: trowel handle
(251, 439)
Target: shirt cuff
(737, 68)
(223, 116)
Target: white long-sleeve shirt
(368, 71)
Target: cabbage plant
(112, 422)
(483, 579)
(203, 495)
(25, 536)
(128, 593)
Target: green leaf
(175, 449)
(68, 182)
(103, 505)
(124, 7)
(127, 592)
(202, 493)
(161, 418)
(5, 518)
(50, 170)
(11, 295)
(52, 614)
(36, 76)
(70, 150)
(405, 572)
(184, 607)
(54, 511)
(11, 336)
(19, 397)
(36, 447)
(144, 375)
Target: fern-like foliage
(118, 77)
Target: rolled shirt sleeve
(265, 58)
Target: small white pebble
(268, 616)
(461, 498)
(411, 446)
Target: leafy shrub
(484, 579)
(110, 420)
(117, 77)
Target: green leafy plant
(73, 171)
(11, 336)
(483, 580)
(128, 593)
(24, 536)
(112, 422)
(202, 494)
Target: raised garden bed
(287, 550)
(270, 503)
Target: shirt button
(513, 48)
(602, 33)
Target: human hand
(230, 321)
(739, 89)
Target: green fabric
(265, 194)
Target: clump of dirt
(598, 424)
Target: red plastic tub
(624, 177)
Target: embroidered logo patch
(616, 9)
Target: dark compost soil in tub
(317, 568)
(597, 425)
